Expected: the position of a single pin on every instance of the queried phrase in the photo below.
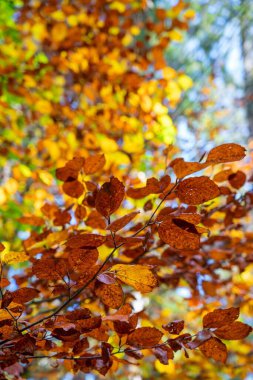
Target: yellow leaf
(140, 277)
(12, 257)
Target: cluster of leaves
(90, 257)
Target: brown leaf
(109, 197)
(197, 190)
(116, 225)
(233, 331)
(179, 234)
(24, 295)
(226, 153)
(82, 259)
(6, 299)
(94, 163)
(86, 325)
(174, 327)
(201, 337)
(144, 337)
(86, 240)
(220, 317)
(182, 168)
(49, 269)
(75, 315)
(25, 345)
(110, 294)
(215, 349)
(237, 180)
(66, 174)
(80, 212)
(74, 189)
(163, 354)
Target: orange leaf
(82, 259)
(110, 294)
(182, 168)
(197, 190)
(179, 234)
(226, 153)
(116, 225)
(237, 179)
(74, 189)
(86, 240)
(215, 349)
(24, 295)
(144, 337)
(94, 163)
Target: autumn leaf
(85, 240)
(182, 168)
(179, 234)
(110, 294)
(197, 190)
(220, 317)
(215, 349)
(24, 295)
(140, 277)
(144, 337)
(226, 153)
(163, 354)
(237, 180)
(73, 188)
(118, 224)
(12, 257)
(93, 164)
(82, 259)
(109, 197)
(233, 331)
(174, 327)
